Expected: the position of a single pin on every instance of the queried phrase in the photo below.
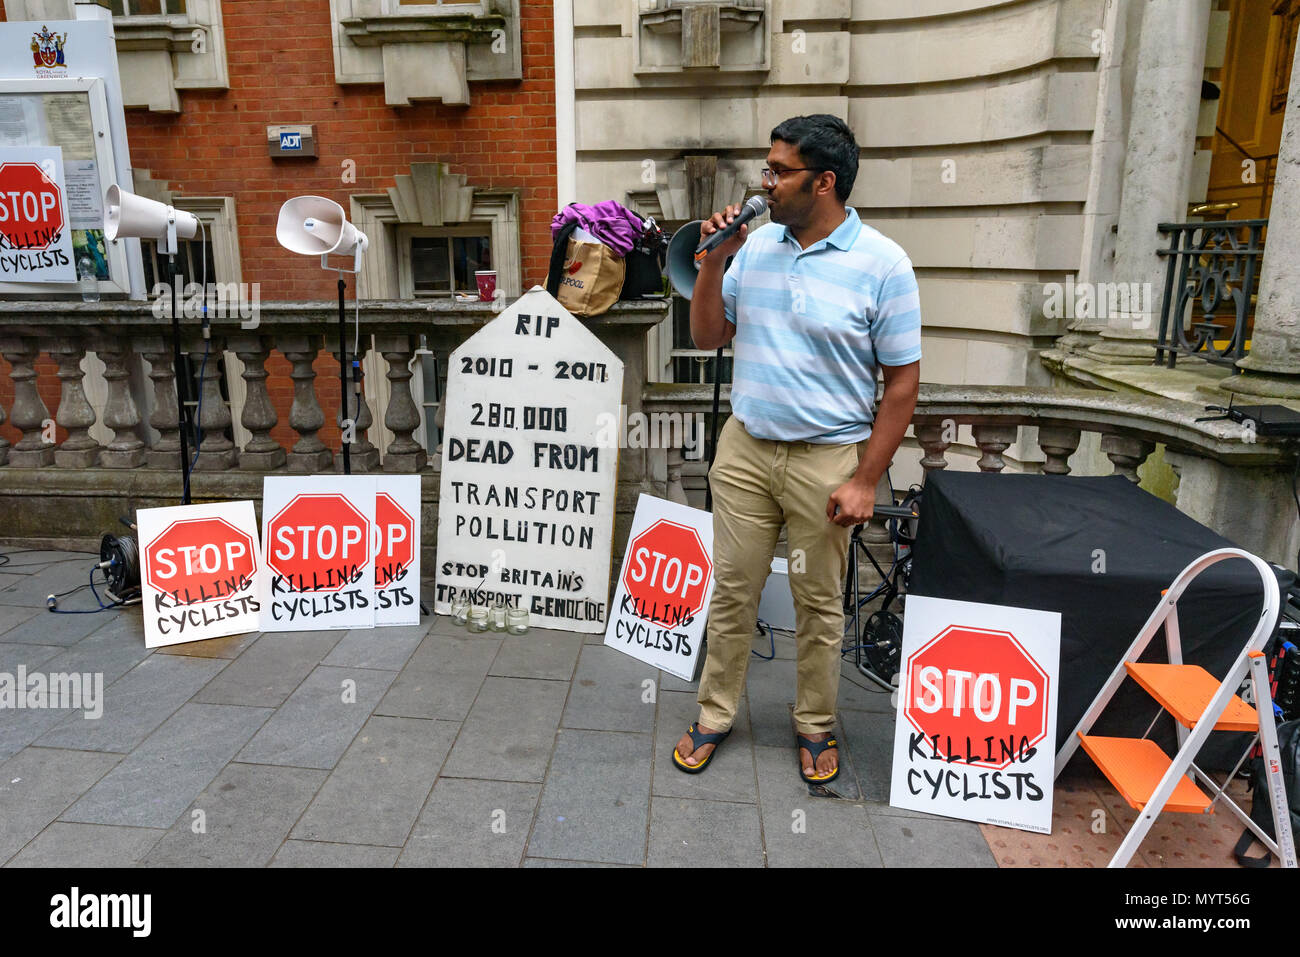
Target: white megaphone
(128, 216)
(316, 226)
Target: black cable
(5, 560)
(98, 601)
(198, 413)
(771, 640)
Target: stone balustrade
(1228, 478)
(70, 491)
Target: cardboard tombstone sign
(526, 512)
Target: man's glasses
(770, 177)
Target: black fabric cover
(1031, 541)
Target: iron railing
(1209, 284)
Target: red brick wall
(282, 71)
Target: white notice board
(71, 114)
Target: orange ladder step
(1135, 766)
(1185, 692)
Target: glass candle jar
(478, 618)
(497, 617)
(459, 612)
(517, 620)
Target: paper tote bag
(589, 280)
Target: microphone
(756, 206)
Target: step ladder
(1148, 779)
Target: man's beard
(790, 212)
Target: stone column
(404, 454)
(29, 412)
(79, 450)
(126, 451)
(364, 455)
(305, 416)
(216, 451)
(1157, 167)
(932, 442)
(262, 453)
(1058, 444)
(166, 452)
(1273, 366)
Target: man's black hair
(826, 143)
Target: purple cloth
(611, 222)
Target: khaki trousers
(758, 486)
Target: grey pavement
(421, 746)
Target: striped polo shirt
(813, 326)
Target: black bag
(645, 264)
(1261, 811)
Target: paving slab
(468, 823)
(545, 862)
(870, 740)
(930, 842)
(375, 793)
(37, 785)
(442, 678)
(595, 802)
(770, 689)
(66, 845)
(377, 649)
(15, 616)
(730, 772)
(30, 657)
(314, 854)
(228, 646)
(540, 653)
(160, 779)
(316, 724)
(858, 692)
(800, 830)
(510, 731)
(248, 811)
(42, 627)
(669, 682)
(268, 672)
(704, 834)
(609, 692)
(112, 651)
(134, 705)
(32, 590)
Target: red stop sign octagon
(668, 567)
(970, 685)
(31, 210)
(201, 559)
(395, 533)
(318, 541)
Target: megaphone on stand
(128, 216)
(317, 226)
(688, 248)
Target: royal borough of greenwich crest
(47, 51)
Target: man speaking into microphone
(815, 303)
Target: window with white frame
(144, 8)
(164, 46)
(441, 261)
